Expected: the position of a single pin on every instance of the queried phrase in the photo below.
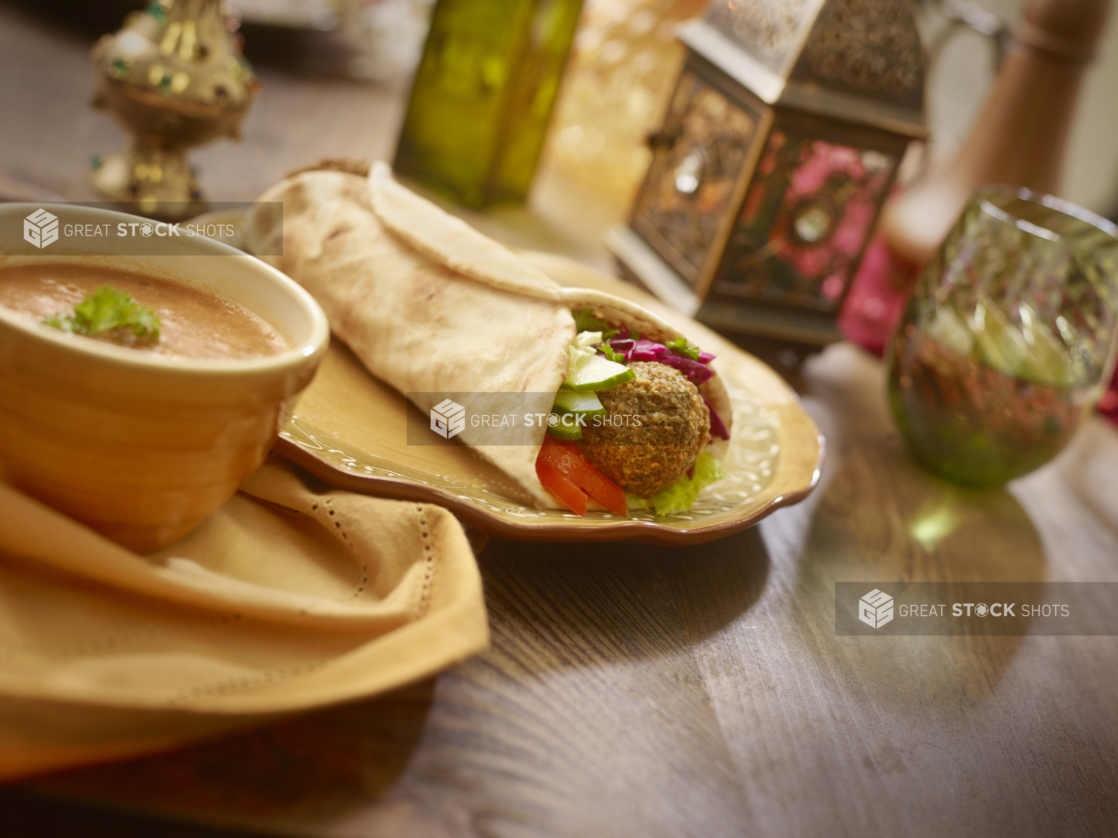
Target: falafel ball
(656, 427)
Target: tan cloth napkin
(291, 596)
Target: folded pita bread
(430, 305)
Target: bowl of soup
(142, 433)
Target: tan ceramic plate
(351, 431)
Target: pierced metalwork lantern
(779, 147)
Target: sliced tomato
(567, 460)
(559, 484)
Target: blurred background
(623, 66)
(959, 80)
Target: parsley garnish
(107, 309)
(681, 347)
(611, 355)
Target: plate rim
(629, 530)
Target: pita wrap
(429, 305)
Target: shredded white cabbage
(585, 345)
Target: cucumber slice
(568, 401)
(1029, 351)
(594, 372)
(561, 430)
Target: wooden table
(635, 690)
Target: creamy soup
(193, 323)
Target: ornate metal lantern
(779, 147)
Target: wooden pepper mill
(1021, 135)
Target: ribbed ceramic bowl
(140, 447)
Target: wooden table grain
(635, 690)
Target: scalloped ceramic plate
(350, 430)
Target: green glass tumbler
(1009, 337)
(483, 95)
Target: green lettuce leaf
(585, 321)
(680, 496)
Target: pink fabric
(876, 302)
(877, 297)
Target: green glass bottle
(483, 95)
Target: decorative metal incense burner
(778, 150)
(173, 77)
